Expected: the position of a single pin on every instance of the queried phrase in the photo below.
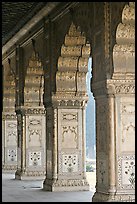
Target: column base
(104, 197)
(19, 175)
(65, 185)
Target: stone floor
(31, 191)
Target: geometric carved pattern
(34, 158)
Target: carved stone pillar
(66, 118)
(66, 150)
(31, 125)
(115, 105)
(115, 141)
(9, 126)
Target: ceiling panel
(15, 15)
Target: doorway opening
(90, 131)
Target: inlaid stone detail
(34, 158)
(70, 163)
(126, 172)
(12, 155)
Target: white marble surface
(31, 191)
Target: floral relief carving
(127, 126)
(128, 130)
(127, 108)
(35, 132)
(130, 171)
(69, 136)
(126, 172)
(11, 135)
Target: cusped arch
(73, 62)
(9, 92)
(34, 81)
(124, 49)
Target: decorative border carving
(9, 116)
(113, 86)
(30, 111)
(123, 88)
(65, 182)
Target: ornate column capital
(121, 86)
(114, 87)
(60, 99)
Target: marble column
(9, 126)
(66, 117)
(115, 100)
(32, 125)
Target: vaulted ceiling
(15, 15)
